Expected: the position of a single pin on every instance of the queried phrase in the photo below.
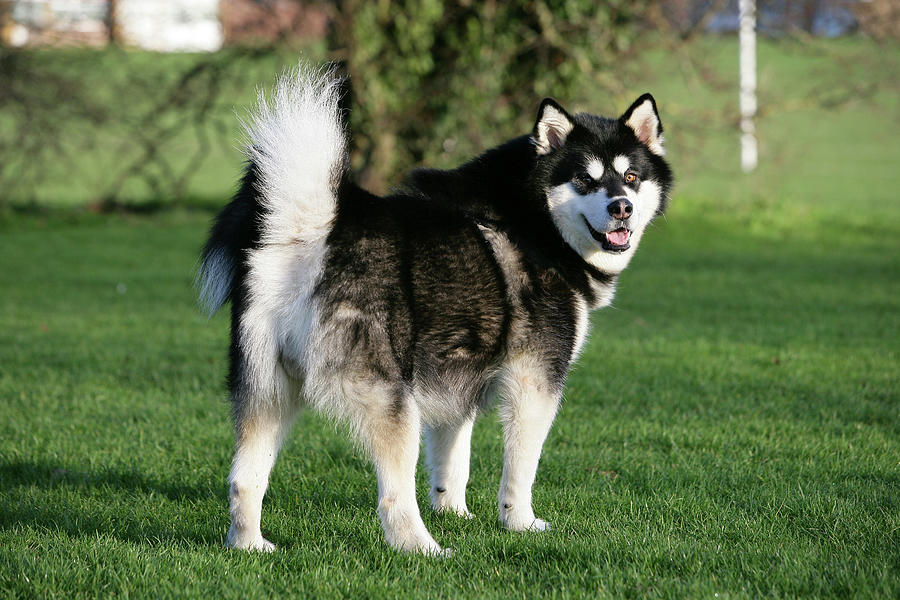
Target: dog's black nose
(620, 208)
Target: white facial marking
(595, 169)
(570, 210)
(621, 164)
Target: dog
(411, 313)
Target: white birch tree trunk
(749, 153)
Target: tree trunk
(112, 25)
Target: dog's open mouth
(614, 241)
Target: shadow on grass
(19, 474)
(96, 507)
(20, 216)
(132, 507)
(203, 204)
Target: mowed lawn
(731, 430)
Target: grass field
(752, 449)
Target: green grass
(745, 443)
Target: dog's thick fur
(409, 313)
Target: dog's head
(604, 179)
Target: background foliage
(440, 80)
(433, 83)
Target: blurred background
(746, 446)
(134, 104)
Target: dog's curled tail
(297, 157)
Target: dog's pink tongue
(619, 237)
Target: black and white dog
(409, 313)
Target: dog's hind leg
(447, 450)
(528, 407)
(260, 430)
(390, 428)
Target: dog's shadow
(134, 507)
(86, 502)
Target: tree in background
(435, 80)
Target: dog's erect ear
(643, 119)
(552, 127)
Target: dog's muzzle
(616, 240)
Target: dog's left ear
(552, 128)
(643, 119)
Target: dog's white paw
(447, 509)
(426, 546)
(437, 552)
(522, 521)
(524, 525)
(447, 503)
(255, 543)
(410, 535)
(539, 525)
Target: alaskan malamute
(410, 313)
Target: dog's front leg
(527, 411)
(447, 450)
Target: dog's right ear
(552, 128)
(643, 118)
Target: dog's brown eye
(584, 179)
(630, 177)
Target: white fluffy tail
(298, 144)
(297, 148)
